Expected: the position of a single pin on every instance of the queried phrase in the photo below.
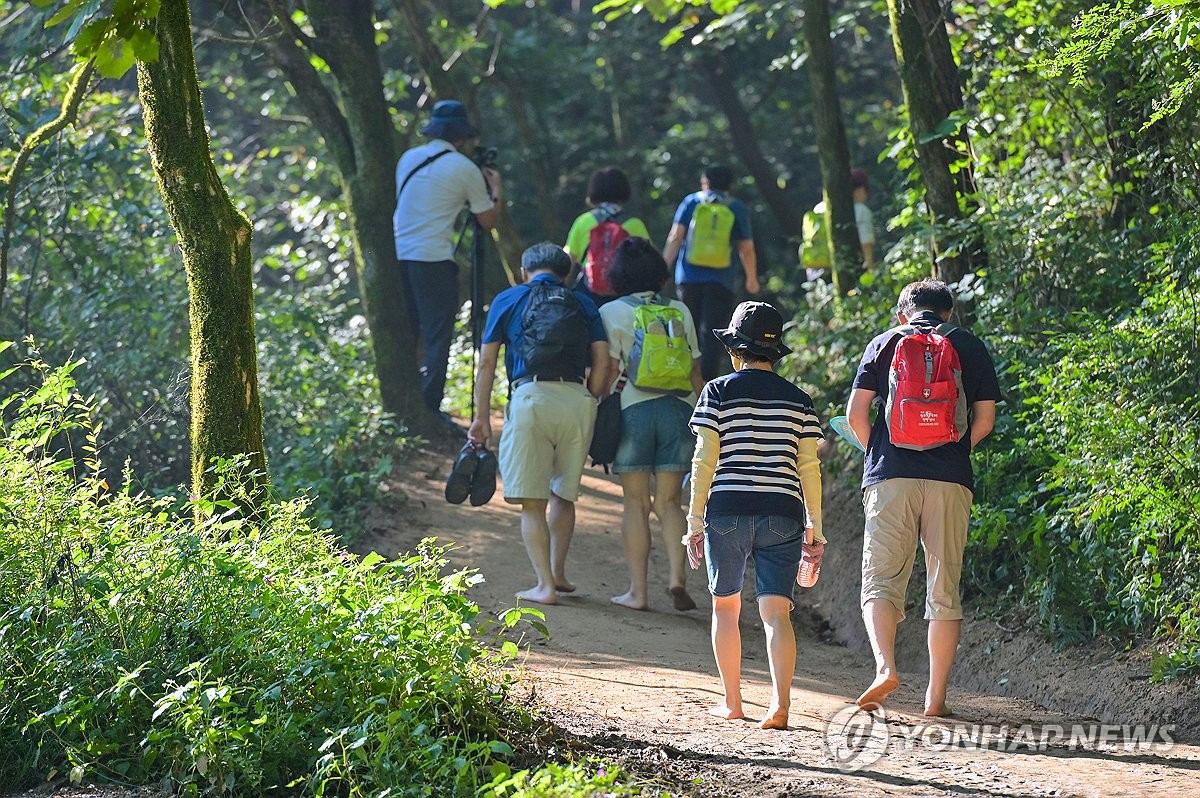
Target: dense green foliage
(1087, 492)
(228, 658)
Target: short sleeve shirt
(581, 230)
(760, 419)
(428, 208)
(948, 463)
(619, 323)
(503, 324)
(686, 272)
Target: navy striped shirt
(760, 418)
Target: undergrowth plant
(229, 657)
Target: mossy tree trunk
(214, 238)
(833, 153)
(933, 96)
(352, 115)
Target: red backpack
(603, 241)
(926, 405)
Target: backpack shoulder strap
(419, 167)
(945, 328)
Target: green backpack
(815, 253)
(709, 233)
(660, 360)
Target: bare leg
(943, 645)
(536, 534)
(727, 648)
(881, 619)
(775, 612)
(667, 488)
(635, 532)
(562, 528)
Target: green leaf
(114, 58)
(145, 45)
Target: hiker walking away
(434, 183)
(936, 389)
(756, 493)
(654, 355)
(709, 225)
(550, 334)
(814, 251)
(596, 233)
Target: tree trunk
(448, 85)
(745, 137)
(932, 92)
(833, 152)
(358, 132)
(214, 238)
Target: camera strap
(420, 166)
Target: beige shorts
(547, 431)
(898, 512)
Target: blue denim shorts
(774, 541)
(655, 436)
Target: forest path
(636, 685)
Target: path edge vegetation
(241, 656)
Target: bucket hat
(756, 327)
(449, 122)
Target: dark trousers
(432, 297)
(711, 305)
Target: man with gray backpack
(936, 390)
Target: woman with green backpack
(655, 353)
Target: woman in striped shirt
(756, 492)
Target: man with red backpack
(936, 390)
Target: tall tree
(352, 116)
(214, 238)
(934, 99)
(833, 152)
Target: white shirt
(864, 220)
(618, 323)
(423, 223)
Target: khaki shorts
(898, 512)
(547, 431)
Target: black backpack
(555, 341)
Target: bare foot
(627, 600)
(680, 598)
(563, 586)
(939, 712)
(775, 719)
(873, 697)
(725, 712)
(539, 595)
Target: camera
(485, 157)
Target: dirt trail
(637, 684)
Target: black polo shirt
(948, 463)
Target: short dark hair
(609, 184)
(746, 356)
(719, 176)
(546, 255)
(925, 295)
(637, 266)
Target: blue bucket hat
(449, 122)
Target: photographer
(433, 183)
